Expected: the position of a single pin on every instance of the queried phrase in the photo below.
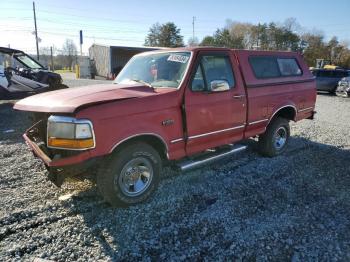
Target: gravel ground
(293, 207)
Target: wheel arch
(152, 139)
(287, 111)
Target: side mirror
(219, 85)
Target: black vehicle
(21, 75)
(327, 79)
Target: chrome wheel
(280, 137)
(135, 177)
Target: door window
(213, 70)
(198, 83)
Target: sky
(126, 23)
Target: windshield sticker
(178, 58)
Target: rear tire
(275, 139)
(130, 175)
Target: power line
(91, 37)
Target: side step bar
(190, 164)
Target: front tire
(275, 139)
(130, 175)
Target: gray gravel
(293, 207)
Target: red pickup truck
(188, 106)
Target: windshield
(29, 62)
(155, 69)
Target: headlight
(69, 133)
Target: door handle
(238, 96)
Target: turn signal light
(71, 143)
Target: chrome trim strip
(305, 109)
(176, 140)
(67, 119)
(258, 121)
(216, 132)
(142, 134)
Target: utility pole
(81, 42)
(193, 20)
(258, 38)
(36, 33)
(51, 53)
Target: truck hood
(69, 100)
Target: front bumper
(59, 167)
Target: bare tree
(291, 24)
(44, 55)
(69, 51)
(193, 41)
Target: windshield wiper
(143, 82)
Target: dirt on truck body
(186, 106)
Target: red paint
(119, 112)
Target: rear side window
(264, 66)
(288, 67)
(273, 67)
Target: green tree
(165, 35)
(208, 41)
(222, 38)
(152, 38)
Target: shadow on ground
(293, 206)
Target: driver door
(215, 103)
